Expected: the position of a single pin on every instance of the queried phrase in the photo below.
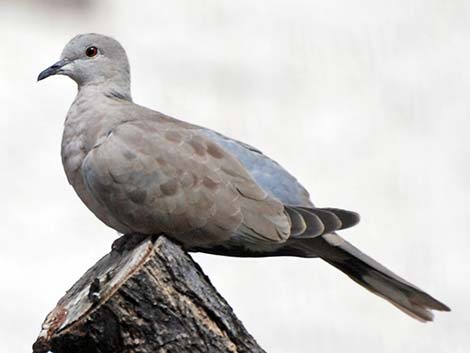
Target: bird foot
(128, 242)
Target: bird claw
(127, 242)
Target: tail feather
(368, 273)
(378, 279)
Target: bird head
(93, 60)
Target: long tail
(372, 275)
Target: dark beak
(52, 70)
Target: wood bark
(150, 298)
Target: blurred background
(366, 102)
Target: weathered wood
(152, 298)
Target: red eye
(91, 51)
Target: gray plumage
(140, 171)
(266, 172)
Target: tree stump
(151, 298)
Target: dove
(142, 172)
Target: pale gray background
(366, 102)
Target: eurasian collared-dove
(142, 172)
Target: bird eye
(91, 51)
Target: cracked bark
(152, 298)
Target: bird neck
(111, 88)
